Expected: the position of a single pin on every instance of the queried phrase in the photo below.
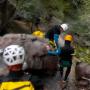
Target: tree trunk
(3, 17)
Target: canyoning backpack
(21, 84)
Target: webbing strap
(21, 87)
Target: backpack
(22, 84)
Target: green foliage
(85, 13)
(60, 8)
(64, 9)
(72, 8)
(28, 8)
(54, 7)
(80, 28)
(83, 53)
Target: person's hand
(48, 47)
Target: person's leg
(67, 73)
(61, 71)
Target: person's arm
(56, 37)
(55, 52)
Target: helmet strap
(61, 29)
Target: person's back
(20, 80)
(57, 29)
(17, 79)
(67, 52)
(66, 56)
(52, 31)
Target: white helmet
(64, 27)
(14, 54)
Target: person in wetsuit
(65, 53)
(14, 56)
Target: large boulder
(82, 70)
(36, 51)
(83, 74)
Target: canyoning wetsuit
(65, 54)
(66, 59)
(35, 82)
(53, 35)
(52, 31)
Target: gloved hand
(54, 52)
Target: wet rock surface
(82, 70)
(51, 82)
